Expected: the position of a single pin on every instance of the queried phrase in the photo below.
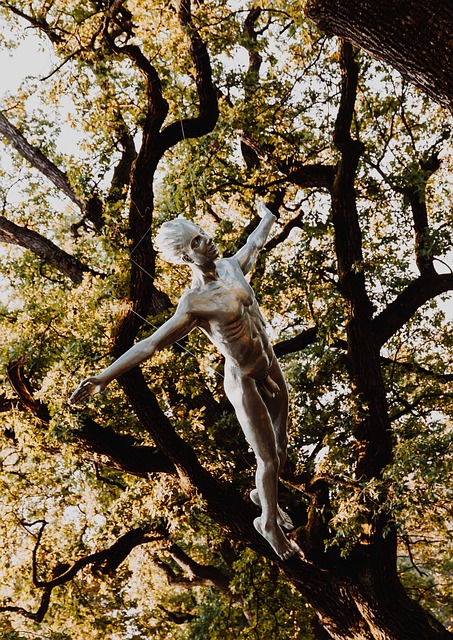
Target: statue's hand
(263, 210)
(88, 387)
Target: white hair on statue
(171, 239)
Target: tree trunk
(361, 597)
(364, 599)
(413, 36)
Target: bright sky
(29, 59)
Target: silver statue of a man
(222, 304)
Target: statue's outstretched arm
(170, 332)
(248, 254)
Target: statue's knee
(269, 465)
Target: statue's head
(174, 237)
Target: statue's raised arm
(247, 255)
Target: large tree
(130, 518)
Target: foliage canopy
(129, 518)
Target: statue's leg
(256, 424)
(277, 406)
(278, 411)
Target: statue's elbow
(148, 349)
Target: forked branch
(106, 561)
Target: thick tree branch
(122, 172)
(144, 297)
(372, 428)
(416, 194)
(208, 109)
(139, 460)
(203, 575)
(298, 343)
(387, 322)
(415, 37)
(38, 160)
(38, 615)
(417, 293)
(412, 186)
(251, 83)
(117, 23)
(306, 176)
(44, 249)
(309, 175)
(24, 391)
(295, 223)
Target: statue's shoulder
(184, 304)
(228, 265)
(200, 299)
(190, 300)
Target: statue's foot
(283, 518)
(283, 547)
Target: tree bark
(45, 249)
(413, 36)
(144, 298)
(417, 293)
(372, 429)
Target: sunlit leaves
(285, 109)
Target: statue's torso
(227, 311)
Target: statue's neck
(202, 277)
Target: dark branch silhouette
(45, 249)
(38, 160)
(106, 561)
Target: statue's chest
(226, 299)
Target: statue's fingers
(79, 394)
(74, 399)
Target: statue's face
(200, 248)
